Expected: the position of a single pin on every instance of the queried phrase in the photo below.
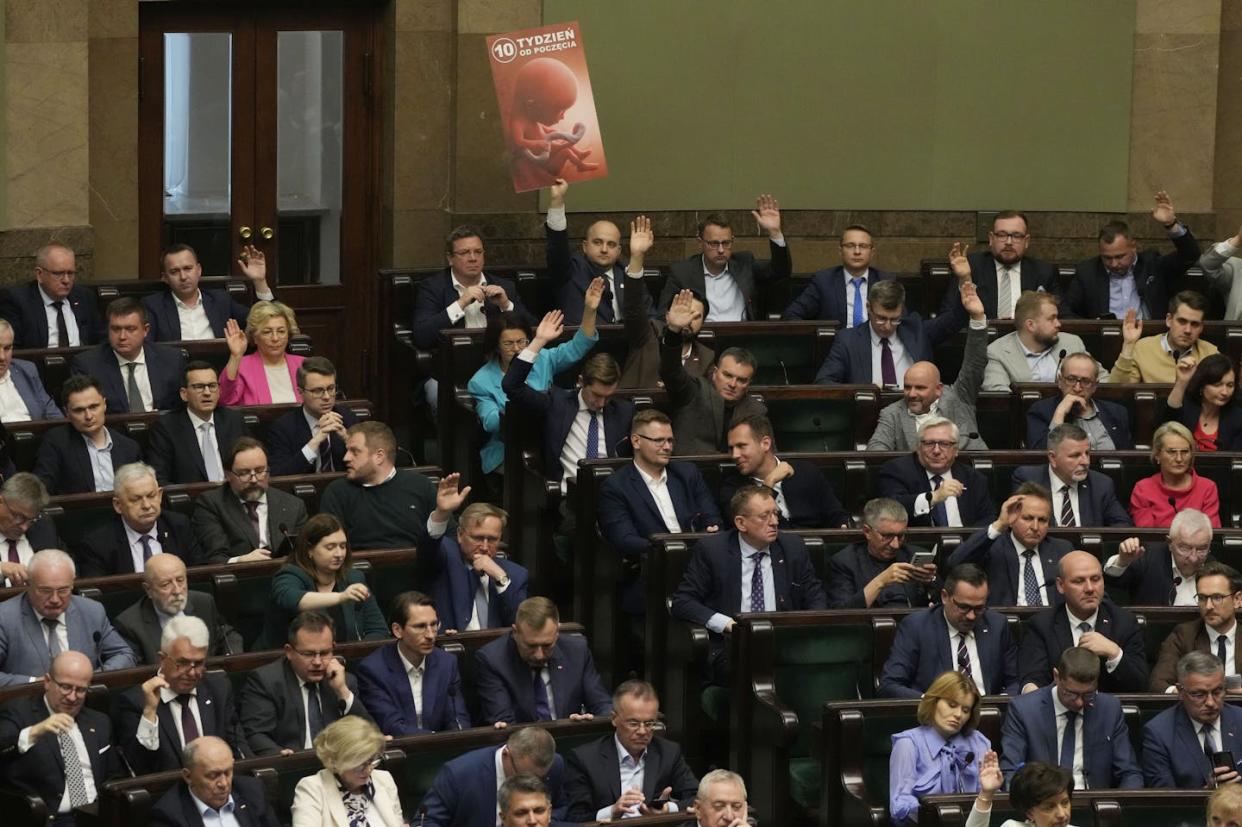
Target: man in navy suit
(35, 743)
(803, 495)
(599, 779)
(534, 674)
(1122, 278)
(83, 455)
(1080, 497)
(463, 793)
(389, 677)
(1002, 272)
(1159, 574)
(208, 785)
(140, 530)
(840, 293)
(1088, 620)
(52, 310)
(962, 634)
(933, 487)
(881, 351)
(471, 587)
(190, 446)
(1071, 724)
(877, 573)
(135, 376)
(22, 395)
(751, 568)
(725, 276)
(184, 312)
(22, 530)
(1016, 551)
(1107, 424)
(311, 439)
(573, 272)
(1177, 743)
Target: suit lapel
(780, 577)
(78, 639)
(640, 493)
(79, 461)
(1061, 630)
(1048, 714)
(1050, 574)
(985, 642)
(733, 575)
(1187, 733)
(35, 631)
(611, 762)
(944, 651)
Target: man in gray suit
(1032, 352)
(22, 395)
(245, 519)
(926, 395)
(49, 619)
(167, 596)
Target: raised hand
(1131, 328)
(151, 694)
(1009, 512)
(641, 237)
(15, 573)
(1130, 550)
(594, 292)
(1185, 369)
(767, 213)
(971, 300)
(448, 498)
(990, 776)
(54, 724)
(235, 337)
(680, 311)
(556, 193)
(253, 263)
(1163, 211)
(958, 261)
(550, 328)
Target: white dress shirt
(1184, 588)
(226, 816)
(24, 743)
(474, 315)
(415, 675)
(972, 648)
(140, 377)
(207, 427)
(135, 544)
(24, 552)
(575, 447)
(149, 732)
(724, 298)
(718, 621)
(71, 322)
(12, 406)
(1058, 485)
(922, 503)
(901, 361)
(1080, 779)
(658, 486)
(194, 322)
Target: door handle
(267, 233)
(245, 233)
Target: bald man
(572, 272)
(167, 595)
(209, 793)
(925, 395)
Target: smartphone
(1223, 758)
(922, 558)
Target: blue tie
(1029, 584)
(542, 711)
(1068, 742)
(940, 514)
(858, 302)
(757, 603)
(592, 448)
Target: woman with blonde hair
(349, 791)
(269, 375)
(1157, 499)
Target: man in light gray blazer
(1223, 266)
(49, 619)
(926, 395)
(1033, 351)
(26, 381)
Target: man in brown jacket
(1219, 587)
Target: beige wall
(71, 169)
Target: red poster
(546, 106)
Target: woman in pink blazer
(269, 375)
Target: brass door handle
(267, 233)
(245, 233)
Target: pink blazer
(250, 386)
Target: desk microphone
(452, 691)
(781, 362)
(287, 542)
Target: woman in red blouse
(1156, 499)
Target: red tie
(13, 558)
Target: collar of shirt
(261, 501)
(48, 301)
(875, 337)
(1167, 348)
(653, 481)
(1229, 636)
(709, 274)
(1057, 482)
(1033, 354)
(945, 476)
(90, 443)
(135, 537)
(122, 361)
(1119, 276)
(409, 667)
(168, 696)
(6, 378)
(198, 301)
(850, 278)
(164, 617)
(1058, 707)
(204, 809)
(1074, 621)
(60, 621)
(1013, 538)
(198, 422)
(461, 288)
(391, 474)
(747, 548)
(624, 756)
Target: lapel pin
(207, 702)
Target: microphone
(125, 761)
(452, 691)
(781, 362)
(422, 816)
(285, 544)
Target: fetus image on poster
(542, 92)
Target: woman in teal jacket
(319, 576)
(507, 335)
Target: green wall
(859, 104)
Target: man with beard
(1032, 352)
(840, 293)
(1155, 358)
(924, 395)
(1080, 496)
(245, 519)
(1003, 272)
(167, 595)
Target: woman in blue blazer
(319, 576)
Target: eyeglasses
(199, 387)
(515, 344)
(885, 320)
(968, 609)
(657, 440)
(1009, 236)
(48, 591)
(320, 393)
(1078, 381)
(369, 765)
(318, 654)
(1215, 599)
(187, 665)
(899, 536)
(635, 725)
(70, 689)
(1085, 697)
(1201, 695)
(252, 474)
(717, 245)
(424, 628)
(942, 444)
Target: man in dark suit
(40, 732)
(139, 531)
(28, 398)
(135, 375)
(597, 774)
(462, 793)
(412, 686)
(534, 674)
(83, 455)
(311, 440)
(1179, 742)
(585, 424)
(22, 529)
(1160, 574)
(775, 568)
(933, 487)
(247, 519)
(840, 293)
(725, 277)
(167, 595)
(1080, 497)
(1071, 724)
(803, 495)
(52, 310)
(1002, 272)
(878, 573)
(573, 272)
(156, 720)
(881, 351)
(471, 587)
(960, 635)
(185, 312)
(1088, 620)
(704, 408)
(208, 787)
(190, 446)
(1214, 633)
(1141, 281)
(287, 702)
(1107, 424)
